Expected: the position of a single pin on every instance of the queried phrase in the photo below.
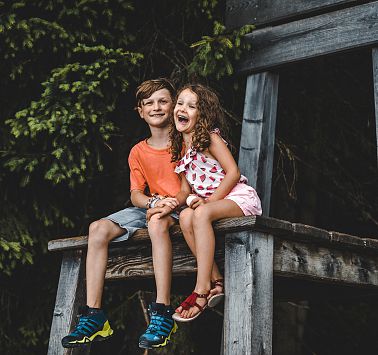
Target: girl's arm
(184, 192)
(219, 150)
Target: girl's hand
(198, 201)
(171, 202)
(160, 211)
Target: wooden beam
(333, 32)
(136, 261)
(292, 259)
(321, 264)
(70, 295)
(240, 12)
(277, 227)
(375, 81)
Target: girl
(210, 172)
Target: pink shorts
(246, 198)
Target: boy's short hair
(148, 87)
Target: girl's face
(186, 111)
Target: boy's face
(157, 109)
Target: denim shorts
(131, 219)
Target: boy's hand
(171, 202)
(160, 211)
(198, 201)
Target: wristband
(189, 199)
(152, 201)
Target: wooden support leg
(248, 319)
(249, 294)
(375, 81)
(70, 294)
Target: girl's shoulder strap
(218, 132)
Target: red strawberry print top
(204, 174)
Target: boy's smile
(156, 109)
(186, 111)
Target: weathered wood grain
(69, 296)
(330, 265)
(324, 34)
(241, 12)
(249, 255)
(274, 226)
(249, 279)
(136, 261)
(375, 81)
(291, 259)
(237, 325)
(258, 132)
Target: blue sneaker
(161, 327)
(92, 326)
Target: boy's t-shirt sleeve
(137, 179)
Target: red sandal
(190, 301)
(216, 298)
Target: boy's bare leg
(101, 232)
(158, 229)
(186, 224)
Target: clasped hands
(166, 205)
(163, 207)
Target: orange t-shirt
(153, 168)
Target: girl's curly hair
(210, 116)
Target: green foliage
(13, 251)
(69, 70)
(68, 73)
(74, 110)
(216, 55)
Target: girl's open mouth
(182, 119)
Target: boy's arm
(139, 199)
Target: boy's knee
(99, 233)
(158, 225)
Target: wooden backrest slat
(337, 31)
(242, 12)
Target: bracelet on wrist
(151, 202)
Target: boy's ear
(140, 111)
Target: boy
(150, 167)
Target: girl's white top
(204, 174)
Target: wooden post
(249, 255)
(70, 294)
(258, 133)
(375, 81)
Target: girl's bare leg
(186, 224)
(205, 244)
(101, 232)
